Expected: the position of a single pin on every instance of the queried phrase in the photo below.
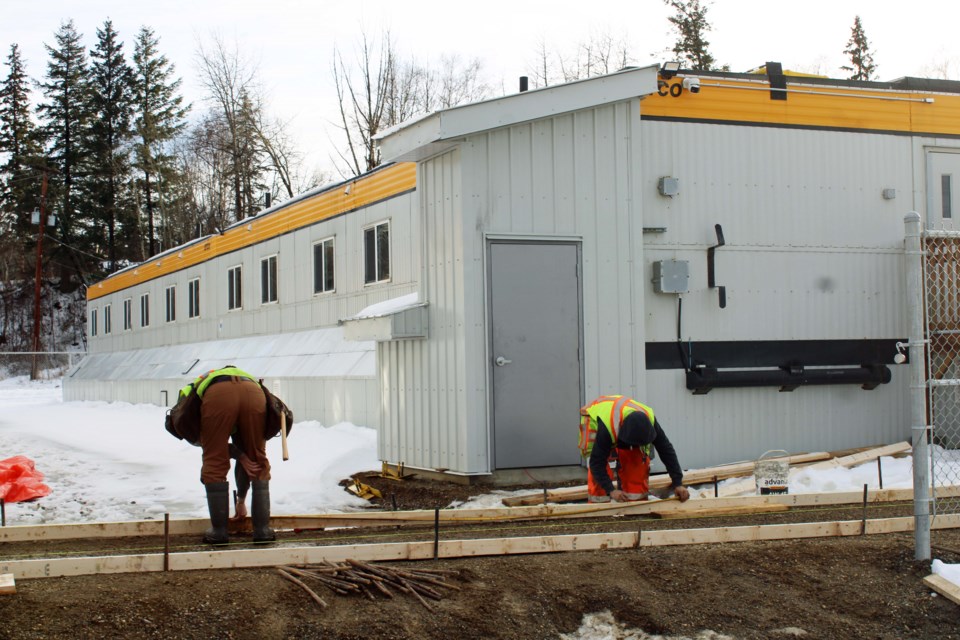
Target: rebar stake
(880, 473)
(716, 488)
(166, 542)
(863, 530)
(3, 512)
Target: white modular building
(727, 248)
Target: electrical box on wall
(671, 276)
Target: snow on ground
(108, 462)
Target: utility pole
(34, 369)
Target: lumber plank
(449, 517)
(662, 481)
(278, 556)
(944, 587)
(852, 460)
(7, 584)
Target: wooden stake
(166, 542)
(283, 435)
(7, 584)
(313, 594)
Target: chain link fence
(47, 365)
(941, 272)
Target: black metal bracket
(711, 267)
(701, 380)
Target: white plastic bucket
(773, 476)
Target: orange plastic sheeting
(20, 480)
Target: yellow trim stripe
(364, 191)
(806, 105)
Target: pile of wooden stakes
(356, 577)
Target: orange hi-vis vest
(611, 410)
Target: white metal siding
(297, 309)
(570, 176)
(813, 252)
(433, 406)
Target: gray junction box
(671, 276)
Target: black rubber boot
(260, 512)
(218, 502)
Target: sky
(292, 42)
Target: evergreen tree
(20, 143)
(159, 114)
(65, 117)
(111, 107)
(858, 49)
(691, 23)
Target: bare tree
(380, 90)
(600, 54)
(363, 100)
(231, 84)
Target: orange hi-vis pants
(634, 468)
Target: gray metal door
(535, 325)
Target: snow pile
(114, 461)
(603, 626)
(949, 572)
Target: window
(234, 281)
(145, 310)
(946, 196)
(171, 303)
(376, 253)
(193, 298)
(268, 280)
(128, 314)
(93, 323)
(106, 319)
(323, 266)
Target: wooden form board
(690, 477)
(848, 461)
(449, 517)
(944, 587)
(279, 555)
(7, 584)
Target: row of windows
(376, 243)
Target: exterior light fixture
(669, 69)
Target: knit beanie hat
(636, 430)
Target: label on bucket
(773, 476)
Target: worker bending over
(620, 435)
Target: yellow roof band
(810, 105)
(364, 191)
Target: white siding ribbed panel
(433, 406)
(298, 308)
(727, 425)
(570, 176)
(329, 398)
(813, 252)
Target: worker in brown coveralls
(233, 401)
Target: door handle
(502, 361)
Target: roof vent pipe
(523, 83)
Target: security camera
(692, 85)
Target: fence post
(918, 386)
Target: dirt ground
(863, 587)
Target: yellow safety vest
(611, 410)
(203, 381)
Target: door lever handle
(502, 361)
